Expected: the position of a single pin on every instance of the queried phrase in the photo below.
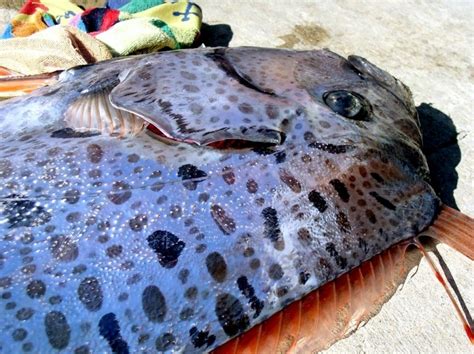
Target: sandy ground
(430, 47)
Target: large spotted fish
(169, 202)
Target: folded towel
(169, 25)
(55, 48)
(138, 26)
(87, 36)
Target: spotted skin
(151, 244)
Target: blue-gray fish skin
(139, 243)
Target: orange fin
(434, 268)
(331, 312)
(7, 72)
(454, 229)
(336, 309)
(12, 86)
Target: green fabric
(135, 6)
(165, 28)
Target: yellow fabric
(25, 25)
(135, 36)
(59, 8)
(55, 48)
(139, 32)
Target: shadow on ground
(218, 35)
(440, 139)
(441, 150)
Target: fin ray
(95, 113)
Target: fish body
(270, 173)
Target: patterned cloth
(136, 26)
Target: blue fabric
(115, 4)
(8, 32)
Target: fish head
(191, 241)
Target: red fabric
(30, 6)
(97, 19)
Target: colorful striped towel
(136, 27)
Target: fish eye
(347, 104)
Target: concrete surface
(429, 46)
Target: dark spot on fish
(377, 177)
(280, 156)
(275, 272)
(183, 275)
(114, 251)
(249, 292)
(290, 181)
(154, 304)
(138, 222)
(203, 197)
(231, 314)
(191, 172)
(331, 248)
(245, 108)
(201, 338)
(332, 149)
(341, 189)
(343, 222)
(272, 111)
(55, 300)
(254, 263)
(120, 193)
(386, 203)
(248, 252)
(225, 223)
(341, 262)
(165, 342)
(272, 228)
(318, 201)
(216, 266)
(134, 279)
(252, 186)
(167, 246)
(228, 175)
(57, 329)
(24, 314)
(371, 216)
(20, 211)
(71, 196)
(19, 334)
(303, 277)
(282, 291)
(109, 328)
(68, 133)
(90, 294)
(191, 293)
(94, 153)
(27, 347)
(304, 236)
(36, 289)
